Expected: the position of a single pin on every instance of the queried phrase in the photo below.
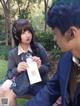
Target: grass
(3, 69)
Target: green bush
(2, 36)
(2, 28)
(47, 40)
(55, 52)
(4, 52)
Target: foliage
(25, 7)
(4, 52)
(47, 40)
(21, 101)
(2, 36)
(1, 17)
(1, 28)
(55, 52)
(24, 14)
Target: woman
(18, 82)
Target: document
(33, 72)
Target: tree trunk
(8, 24)
(45, 8)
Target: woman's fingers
(22, 66)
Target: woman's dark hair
(20, 26)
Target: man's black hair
(59, 15)
(63, 16)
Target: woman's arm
(45, 66)
(12, 67)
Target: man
(65, 23)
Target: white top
(20, 49)
(75, 60)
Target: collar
(20, 49)
(76, 60)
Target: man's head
(64, 21)
(59, 16)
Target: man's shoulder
(66, 56)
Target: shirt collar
(75, 60)
(20, 49)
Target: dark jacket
(57, 86)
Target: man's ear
(73, 31)
(70, 34)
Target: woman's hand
(22, 66)
(37, 60)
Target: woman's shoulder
(39, 45)
(13, 50)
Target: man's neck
(76, 53)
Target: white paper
(33, 72)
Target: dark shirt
(74, 79)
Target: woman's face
(26, 37)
